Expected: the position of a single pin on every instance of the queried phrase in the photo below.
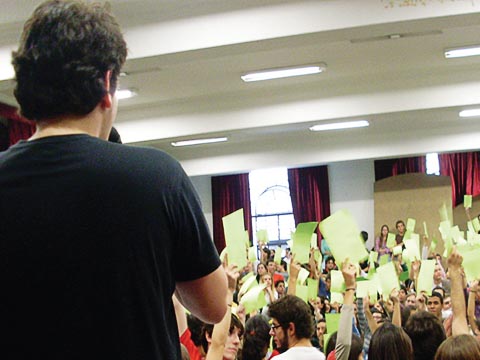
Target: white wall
(351, 187)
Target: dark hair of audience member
(208, 329)
(114, 136)
(195, 325)
(293, 309)
(256, 338)
(356, 347)
(438, 295)
(426, 332)
(390, 342)
(464, 347)
(406, 312)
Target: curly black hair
(65, 51)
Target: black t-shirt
(93, 237)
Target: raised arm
(220, 330)
(471, 306)
(201, 296)
(397, 313)
(293, 277)
(459, 325)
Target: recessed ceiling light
(198, 141)
(125, 94)
(469, 113)
(340, 125)
(463, 51)
(284, 72)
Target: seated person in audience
(426, 332)
(402, 294)
(280, 288)
(435, 304)
(261, 270)
(324, 286)
(222, 341)
(256, 338)
(272, 269)
(390, 342)
(321, 328)
(400, 226)
(439, 279)
(411, 299)
(270, 292)
(329, 265)
(447, 307)
(381, 241)
(292, 328)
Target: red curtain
(392, 167)
(229, 193)
(19, 128)
(464, 171)
(310, 194)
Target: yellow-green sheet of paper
(278, 255)
(337, 281)
(425, 276)
(413, 250)
(254, 299)
(234, 229)
(391, 240)
(332, 321)
(444, 229)
(407, 235)
(411, 224)
(467, 201)
(388, 278)
(302, 292)
(443, 212)
(301, 241)
(397, 250)
(326, 337)
(471, 264)
(372, 257)
(476, 224)
(312, 285)
(455, 233)
(262, 236)
(382, 260)
(249, 281)
(317, 255)
(247, 239)
(433, 245)
(336, 297)
(223, 253)
(366, 288)
(302, 276)
(343, 237)
(313, 241)
(252, 254)
(404, 276)
(425, 231)
(448, 245)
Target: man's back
(93, 238)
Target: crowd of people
(405, 324)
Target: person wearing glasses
(292, 328)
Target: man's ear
(291, 329)
(107, 100)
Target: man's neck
(294, 342)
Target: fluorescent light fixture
(199, 141)
(340, 125)
(125, 94)
(284, 72)
(469, 113)
(463, 51)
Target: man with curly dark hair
(292, 328)
(95, 236)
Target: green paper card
(366, 288)
(262, 236)
(467, 201)
(343, 237)
(444, 229)
(302, 292)
(302, 276)
(476, 224)
(332, 320)
(411, 224)
(413, 250)
(372, 257)
(254, 299)
(301, 241)
(433, 245)
(404, 276)
(388, 278)
(383, 259)
(249, 281)
(425, 276)
(338, 283)
(278, 255)
(247, 240)
(312, 285)
(397, 250)
(313, 241)
(336, 297)
(391, 240)
(252, 254)
(443, 213)
(471, 264)
(234, 229)
(407, 235)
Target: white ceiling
(186, 58)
